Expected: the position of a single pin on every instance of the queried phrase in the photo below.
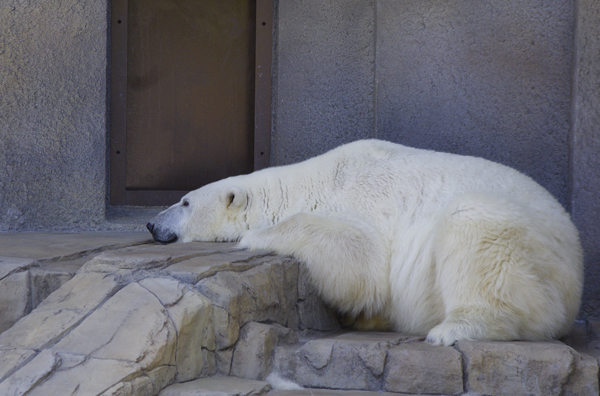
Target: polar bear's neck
(279, 192)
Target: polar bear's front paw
(448, 333)
(250, 240)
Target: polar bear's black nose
(150, 226)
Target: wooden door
(187, 103)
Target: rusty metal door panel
(188, 110)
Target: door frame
(118, 194)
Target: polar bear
(427, 243)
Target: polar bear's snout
(160, 234)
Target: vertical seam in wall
(573, 109)
(274, 83)
(374, 134)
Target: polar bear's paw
(448, 333)
(252, 240)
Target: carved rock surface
(527, 368)
(149, 319)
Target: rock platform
(116, 314)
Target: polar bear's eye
(185, 203)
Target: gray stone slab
(152, 256)
(8, 265)
(44, 283)
(77, 375)
(148, 384)
(330, 392)
(15, 290)
(353, 360)
(65, 246)
(131, 326)
(59, 313)
(252, 356)
(12, 359)
(422, 368)
(197, 268)
(517, 368)
(217, 386)
(192, 315)
(267, 293)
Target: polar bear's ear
(235, 198)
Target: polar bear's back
(392, 175)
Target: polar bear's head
(211, 213)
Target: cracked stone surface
(120, 316)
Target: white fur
(455, 247)
(281, 384)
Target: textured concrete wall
(325, 88)
(52, 113)
(586, 147)
(486, 78)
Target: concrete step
(393, 362)
(234, 386)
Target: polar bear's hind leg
(497, 274)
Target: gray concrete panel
(485, 78)
(52, 114)
(586, 148)
(325, 76)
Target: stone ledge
(138, 318)
(144, 318)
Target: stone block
(217, 386)
(131, 326)
(125, 260)
(11, 359)
(264, 293)
(25, 379)
(44, 283)
(197, 268)
(192, 315)
(60, 312)
(8, 265)
(149, 384)
(517, 368)
(14, 298)
(348, 361)
(69, 375)
(226, 328)
(82, 293)
(48, 247)
(314, 314)
(252, 356)
(584, 379)
(422, 368)
(224, 358)
(40, 329)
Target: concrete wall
(52, 114)
(585, 199)
(486, 78)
